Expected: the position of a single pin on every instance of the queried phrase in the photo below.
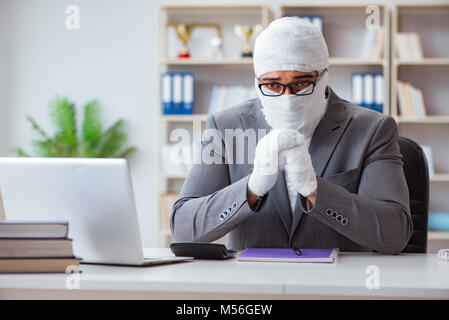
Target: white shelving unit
(231, 69)
(348, 19)
(431, 22)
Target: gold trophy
(184, 32)
(246, 33)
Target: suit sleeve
(209, 206)
(378, 216)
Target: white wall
(112, 58)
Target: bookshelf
(347, 19)
(431, 22)
(230, 69)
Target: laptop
(94, 195)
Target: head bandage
(290, 43)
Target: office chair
(417, 176)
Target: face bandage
(290, 43)
(302, 113)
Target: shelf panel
(327, 5)
(423, 120)
(208, 62)
(174, 176)
(438, 235)
(210, 6)
(355, 62)
(184, 117)
(439, 177)
(423, 62)
(249, 61)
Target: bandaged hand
(267, 161)
(298, 168)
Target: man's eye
(302, 84)
(273, 86)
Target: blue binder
(178, 107)
(167, 93)
(378, 92)
(177, 92)
(367, 90)
(188, 92)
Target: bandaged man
(323, 172)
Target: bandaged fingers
(299, 169)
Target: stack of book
(224, 97)
(408, 46)
(372, 44)
(411, 102)
(35, 246)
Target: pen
(298, 251)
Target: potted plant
(91, 141)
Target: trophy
(246, 33)
(184, 32)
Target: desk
(404, 276)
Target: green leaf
(37, 128)
(47, 148)
(112, 141)
(62, 113)
(127, 152)
(92, 129)
(19, 152)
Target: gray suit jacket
(362, 199)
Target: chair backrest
(417, 176)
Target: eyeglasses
(300, 88)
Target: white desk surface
(403, 276)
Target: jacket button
(339, 218)
(328, 212)
(234, 204)
(222, 216)
(334, 214)
(229, 210)
(344, 221)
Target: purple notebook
(288, 255)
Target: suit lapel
(278, 194)
(328, 133)
(323, 143)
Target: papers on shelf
(408, 46)
(372, 44)
(410, 100)
(224, 97)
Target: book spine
(356, 89)
(167, 93)
(188, 93)
(177, 94)
(378, 89)
(368, 90)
